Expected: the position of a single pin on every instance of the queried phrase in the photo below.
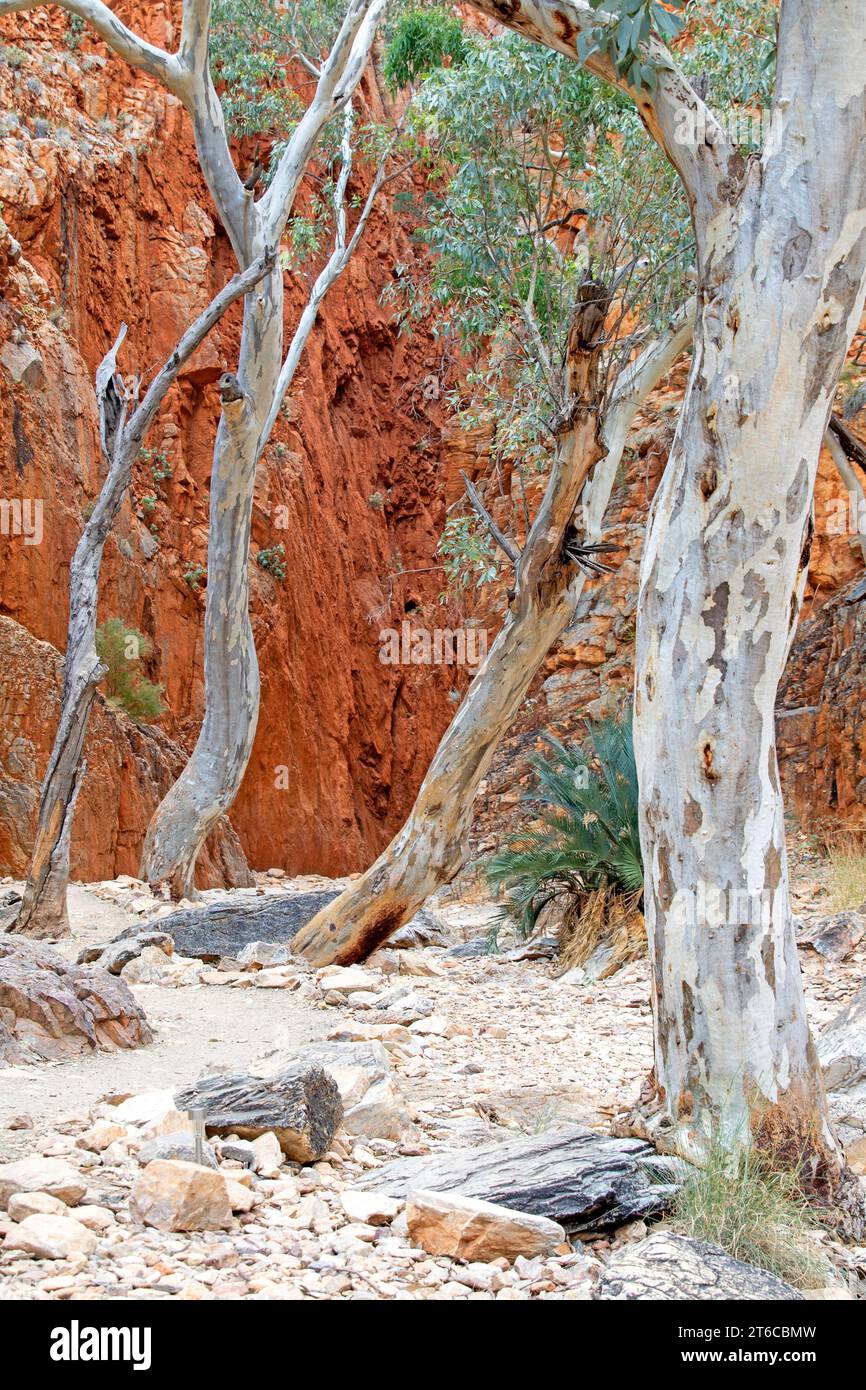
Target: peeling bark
(212, 777)
(782, 277)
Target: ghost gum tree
(512, 251)
(124, 422)
(781, 259)
(210, 780)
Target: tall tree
(781, 257)
(124, 423)
(517, 129)
(209, 782)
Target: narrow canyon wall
(101, 192)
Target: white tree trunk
(782, 270)
(432, 845)
(210, 781)
(43, 908)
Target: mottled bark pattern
(782, 274)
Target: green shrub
(123, 649)
(272, 559)
(193, 575)
(421, 41)
(739, 1201)
(588, 840)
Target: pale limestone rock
(346, 979)
(466, 1228)
(36, 1174)
(25, 1204)
(381, 1114)
(267, 1155)
(94, 1218)
(100, 1135)
(48, 1237)
(369, 1208)
(177, 1196)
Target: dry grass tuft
(846, 861)
(602, 917)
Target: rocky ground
(433, 1051)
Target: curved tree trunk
(211, 779)
(432, 845)
(43, 908)
(783, 278)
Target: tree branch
(122, 40)
(340, 75)
(334, 267)
(668, 112)
(504, 542)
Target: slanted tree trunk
(432, 845)
(42, 912)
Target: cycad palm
(588, 838)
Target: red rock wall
(100, 186)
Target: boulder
(259, 955)
(25, 1204)
(369, 1208)
(676, 1268)
(117, 954)
(176, 1196)
(225, 928)
(842, 1052)
(586, 1182)
(300, 1103)
(51, 1009)
(380, 1114)
(424, 929)
(466, 1228)
(48, 1237)
(36, 1174)
(835, 937)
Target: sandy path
(195, 1027)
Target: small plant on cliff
(586, 849)
(468, 553)
(160, 464)
(123, 649)
(738, 1200)
(74, 31)
(272, 559)
(193, 575)
(148, 504)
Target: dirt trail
(194, 1028)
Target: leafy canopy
(422, 39)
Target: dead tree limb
(42, 912)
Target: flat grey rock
(585, 1181)
(674, 1268)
